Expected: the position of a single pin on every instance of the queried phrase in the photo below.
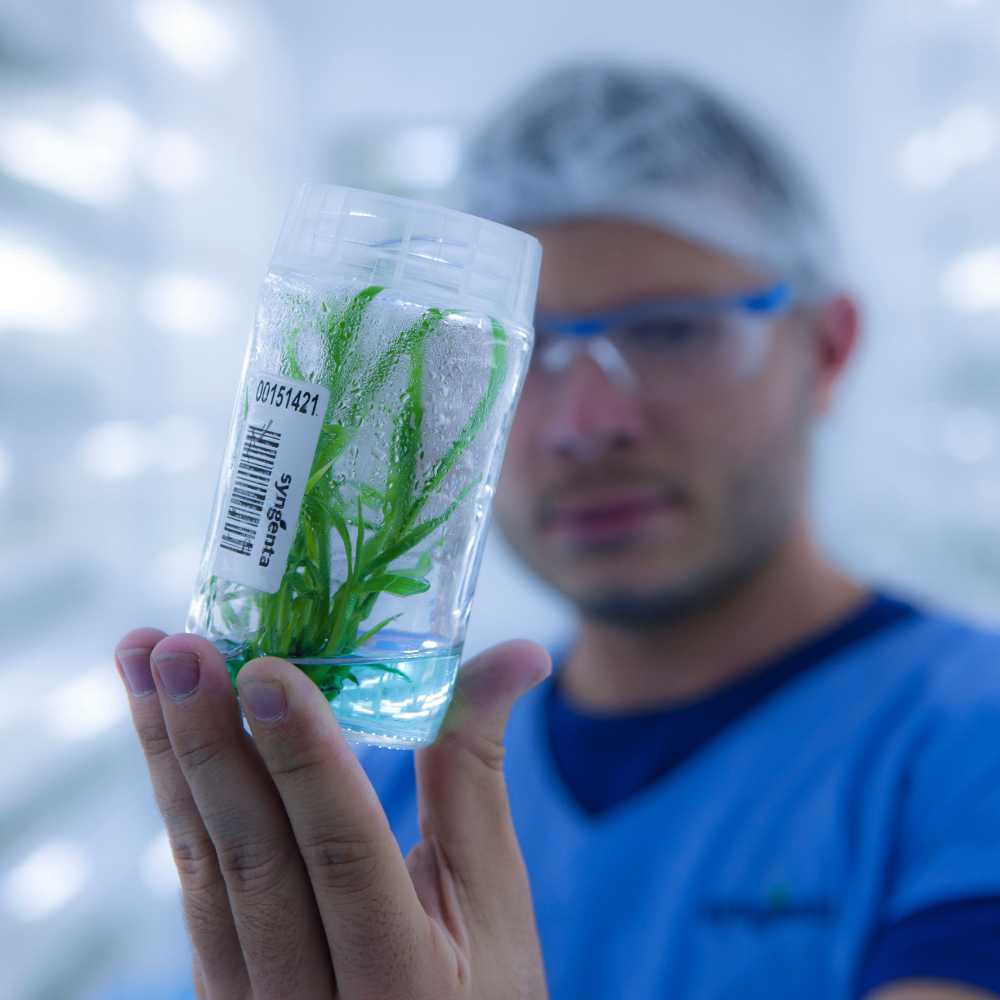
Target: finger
(374, 922)
(206, 903)
(269, 894)
(460, 776)
(198, 980)
(464, 809)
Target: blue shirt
(777, 858)
(605, 759)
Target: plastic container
(389, 348)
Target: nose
(592, 412)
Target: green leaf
(386, 668)
(458, 447)
(318, 475)
(417, 535)
(374, 631)
(419, 571)
(394, 583)
(345, 536)
(292, 363)
(369, 494)
(406, 586)
(360, 538)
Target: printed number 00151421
(278, 395)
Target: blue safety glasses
(772, 301)
(673, 345)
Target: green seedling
(311, 616)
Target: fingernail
(135, 667)
(265, 700)
(179, 673)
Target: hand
(293, 884)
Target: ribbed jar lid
(414, 248)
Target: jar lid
(412, 247)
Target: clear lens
(673, 355)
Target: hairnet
(656, 148)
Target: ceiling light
(187, 304)
(196, 37)
(971, 282)
(38, 293)
(46, 880)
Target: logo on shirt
(778, 906)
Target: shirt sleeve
(948, 821)
(941, 911)
(958, 940)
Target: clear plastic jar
(389, 348)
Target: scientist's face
(643, 497)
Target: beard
(692, 593)
(736, 534)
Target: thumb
(460, 785)
(486, 690)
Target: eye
(552, 353)
(543, 343)
(672, 333)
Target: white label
(274, 454)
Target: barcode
(246, 501)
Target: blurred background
(148, 150)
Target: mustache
(578, 484)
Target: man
(750, 777)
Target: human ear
(835, 333)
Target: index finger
(213, 935)
(374, 922)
